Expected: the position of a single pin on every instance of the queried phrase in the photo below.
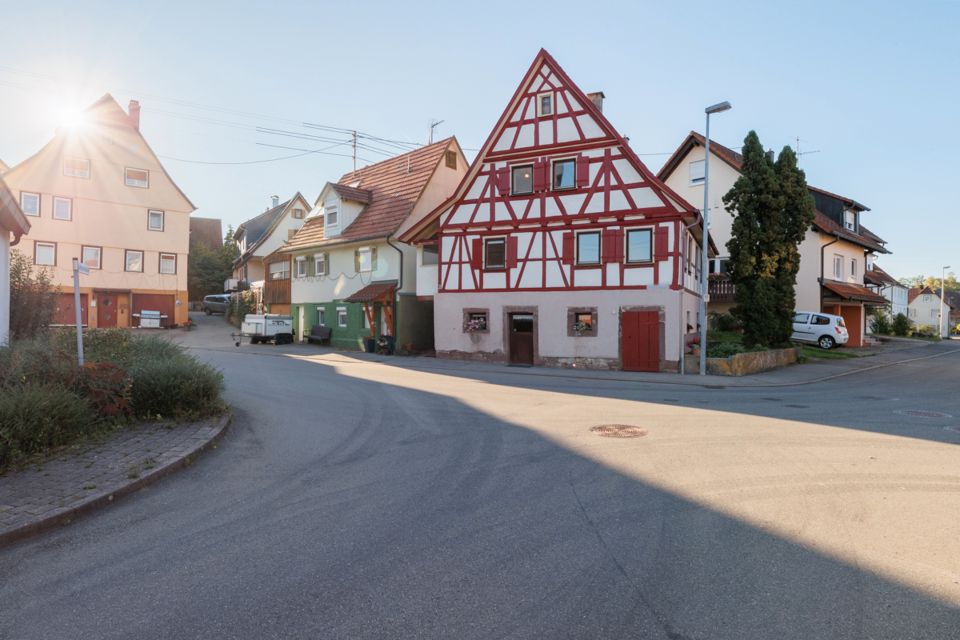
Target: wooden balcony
(721, 288)
(276, 291)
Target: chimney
(597, 99)
(134, 110)
(274, 201)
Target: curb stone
(103, 499)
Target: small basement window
(495, 253)
(475, 321)
(521, 180)
(565, 174)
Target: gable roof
(12, 219)
(865, 238)
(543, 58)
(879, 277)
(915, 293)
(259, 228)
(391, 189)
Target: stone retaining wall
(744, 364)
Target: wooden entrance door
(521, 338)
(107, 309)
(640, 340)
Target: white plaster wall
(4, 285)
(552, 307)
(343, 281)
(281, 233)
(808, 275)
(927, 309)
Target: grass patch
(825, 354)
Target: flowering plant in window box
(473, 325)
(580, 328)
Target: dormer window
(331, 217)
(850, 220)
(545, 104)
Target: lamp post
(78, 268)
(704, 262)
(943, 279)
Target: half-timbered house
(559, 247)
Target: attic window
(850, 220)
(76, 168)
(298, 214)
(451, 159)
(545, 104)
(330, 217)
(697, 174)
(136, 178)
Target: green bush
(900, 325)
(37, 417)
(725, 322)
(179, 387)
(925, 330)
(725, 349)
(880, 323)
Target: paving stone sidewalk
(56, 491)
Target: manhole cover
(618, 431)
(924, 413)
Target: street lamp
(943, 278)
(704, 263)
(78, 268)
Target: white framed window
(697, 171)
(168, 263)
(133, 260)
(301, 266)
(564, 174)
(366, 320)
(850, 220)
(62, 208)
(364, 259)
(30, 203)
(45, 254)
(76, 167)
(838, 267)
(155, 220)
(280, 270)
(545, 104)
(136, 177)
(495, 253)
(91, 256)
(321, 316)
(588, 247)
(521, 180)
(298, 214)
(320, 264)
(639, 245)
(341, 317)
(331, 217)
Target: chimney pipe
(275, 200)
(134, 110)
(597, 99)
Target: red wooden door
(640, 340)
(65, 312)
(106, 310)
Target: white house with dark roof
(264, 234)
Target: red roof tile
(879, 277)
(309, 235)
(373, 292)
(856, 292)
(352, 193)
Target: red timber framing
(601, 187)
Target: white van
(819, 328)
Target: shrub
(32, 297)
(178, 387)
(925, 330)
(725, 349)
(107, 387)
(725, 322)
(241, 304)
(880, 323)
(37, 417)
(900, 325)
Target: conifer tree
(797, 216)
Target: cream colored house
(98, 193)
(833, 255)
(925, 310)
(12, 223)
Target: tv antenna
(433, 125)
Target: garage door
(165, 304)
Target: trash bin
(370, 345)
(391, 343)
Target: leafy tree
(772, 211)
(33, 298)
(900, 325)
(208, 268)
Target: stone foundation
(745, 364)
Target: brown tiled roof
(856, 292)
(309, 235)
(352, 193)
(395, 186)
(373, 292)
(914, 292)
(879, 277)
(825, 224)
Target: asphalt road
(364, 499)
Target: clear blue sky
(872, 85)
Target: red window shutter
(502, 178)
(618, 244)
(583, 171)
(660, 247)
(511, 252)
(540, 175)
(568, 247)
(608, 250)
(476, 254)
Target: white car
(821, 329)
